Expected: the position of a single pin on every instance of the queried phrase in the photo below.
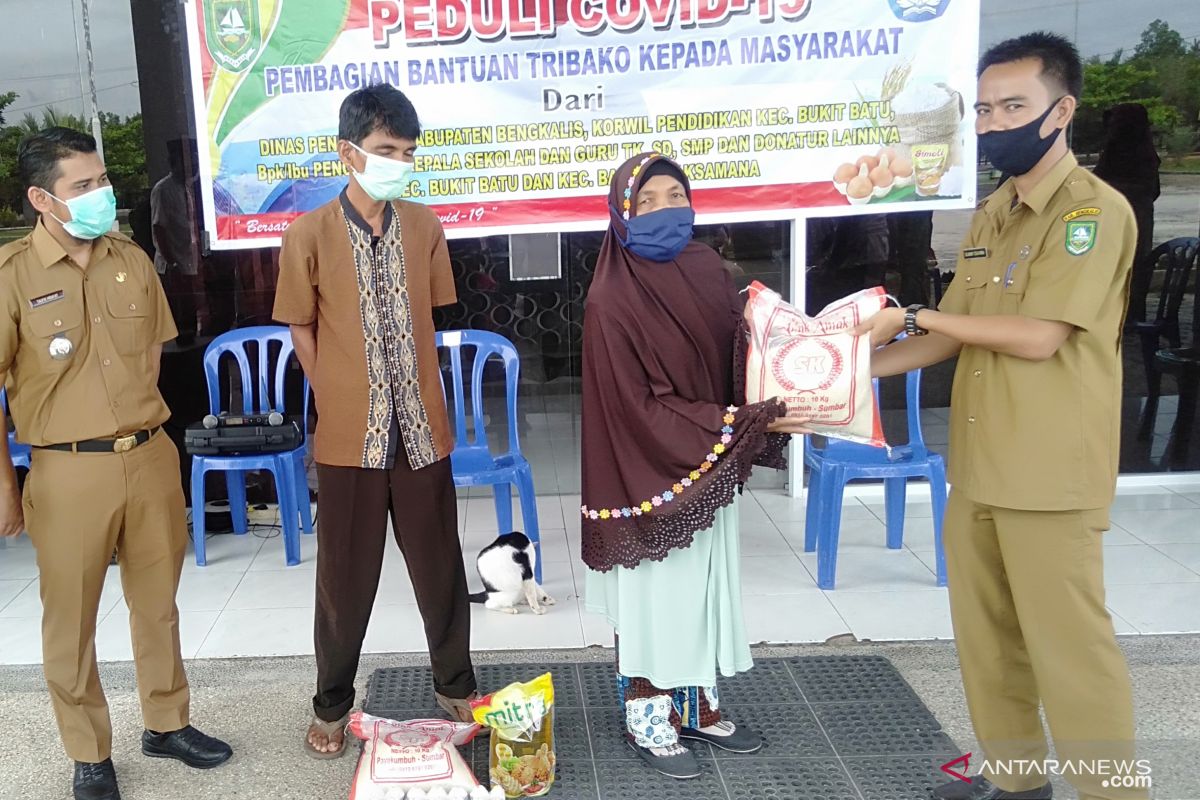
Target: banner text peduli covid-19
(775, 108)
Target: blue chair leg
(198, 532)
(235, 482)
(504, 511)
(530, 516)
(833, 485)
(893, 498)
(937, 493)
(301, 489)
(812, 511)
(285, 477)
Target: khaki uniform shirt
(1043, 435)
(378, 386)
(111, 314)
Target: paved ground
(260, 706)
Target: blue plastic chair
(472, 460)
(839, 462)
(291, 485)
(18, 452)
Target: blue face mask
(92, 214)
(660, 235)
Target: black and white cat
(506, 567)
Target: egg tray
(845, 727)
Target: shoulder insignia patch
(8, 251)
(1082, 212)
(1081, 237)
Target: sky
(39, 58)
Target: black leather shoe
(187, 745)
(96, 781)
(980, 788)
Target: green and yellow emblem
(233, 32)
(1081, 237)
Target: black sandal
(741, 740)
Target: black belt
(121, 444)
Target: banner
(774, 108)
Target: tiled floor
(247, 603)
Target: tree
(1163, 74)
(11, 190)
(1176, 64)
(125, 157)
(1159, 40)
(124, 153)
(6, 100)
(51, 118)
(1107, 83)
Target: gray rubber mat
(835, 728)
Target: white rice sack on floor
(419, 754)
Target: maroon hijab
(664, 443)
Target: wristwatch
(910, 321)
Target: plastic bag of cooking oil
(521, 750)
(814, 365)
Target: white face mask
(383, 178)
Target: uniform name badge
(61, 347)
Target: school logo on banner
(233, 32)
(1081, 237)
(918, 10)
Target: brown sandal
(329, 729)
(458, 709)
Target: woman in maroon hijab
(665, 449)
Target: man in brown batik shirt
(358, 280)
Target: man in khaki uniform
(1035, 314)
(83, 324)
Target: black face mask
(1018, 150)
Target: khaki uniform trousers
(79, 507)
(1027, 600)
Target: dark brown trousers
(353, 510)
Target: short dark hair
(38, 154)
(1060, 59)
(379, 107)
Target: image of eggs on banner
(924, 159)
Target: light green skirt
(679, 620)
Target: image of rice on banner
(521, 750)
(927, 160)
